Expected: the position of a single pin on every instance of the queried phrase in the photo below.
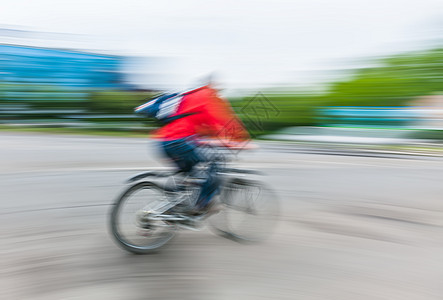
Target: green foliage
(428, 134)
(41, 96)
(398, 80)
(117, 102)
(395, 82)
(265, 113)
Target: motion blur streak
(397, 101)
(352, 227)
(344, 98)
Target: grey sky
(249, 42)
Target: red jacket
(211, 116)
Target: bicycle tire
(264, 216)
(115, 225)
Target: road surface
(352, 227)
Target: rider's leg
(185, 155)
(182, 153)
(209, 188)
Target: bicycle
(248, 208)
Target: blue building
(61, 68)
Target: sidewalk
(353, 140)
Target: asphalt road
(352, 227)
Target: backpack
(162, 108)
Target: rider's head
(211, 80)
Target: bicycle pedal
(191, 223)
(171, 217)
(189, 227)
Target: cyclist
(197, 114)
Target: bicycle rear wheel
(250, 211)
(130, 224)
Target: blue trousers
(185, 155)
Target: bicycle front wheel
(130, 221)
(250, 211)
